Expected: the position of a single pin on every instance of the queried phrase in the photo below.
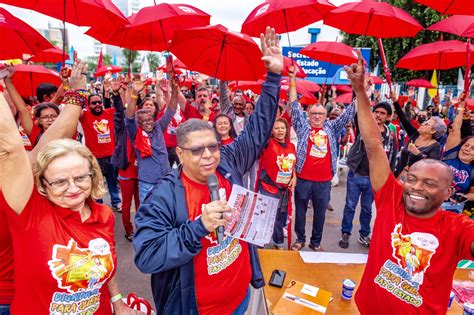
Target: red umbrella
(378, 19)
(288, 62)
(284, 15)
(376, 79)
(421, 83)
(461, 25)
(19, 38)
(102, 71)
(304, 88)
(177, 64)
(344, 88)
(219, 52)
(309, 85)
(440, 55)
(28, 77)
(48, 55)
(254, 86)
(345, 98)
(152, 27)
(450, 6)
(332, 52)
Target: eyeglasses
(317, 114)
(50, 117)
(237, 103)
(198, 151)
(62, 185)
(96, 102)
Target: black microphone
(213, 186)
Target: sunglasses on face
(198, 151)
(96, 102)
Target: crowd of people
(155, 146)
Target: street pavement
(132, 280)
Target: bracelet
(292, 84)
(115, 298)
(135, 97)
(65, 87)
(77, 98)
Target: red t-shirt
(411, 260)
(221, 271)
(35, 134)
(26, 140)
(7, 290)
(99, 132)
(62, 265)
(317, 166)
(278, 162)
(227, 141)
(191, 112)
(132, 169)
(170, 132)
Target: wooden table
(325, 276)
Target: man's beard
(97, 111)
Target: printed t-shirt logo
(24, 137)
(460, 176)
(285, 166)
(81, 272)
(319, 148)
(412, 253)
(103, 130)
(221, 256)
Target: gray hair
(189, 126)
(439, 127)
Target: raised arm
(404, 122)
(25, 115)
(370, 133)
(171, 107)
(454, 137)
(16, 176)
(137, 86)
(224, 102)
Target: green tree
(91, 62)
(395, 48)
(106, 60)
(130, 57)
(153, 61)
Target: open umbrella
(304, 88)
(332, 52)
(152, 27)
(421, 83)
(254, 86)
(102, 71)
(28, 77)
(450, 6)
(440, 55)
(345, 98)
(19, 38)
(284, 15)
(343, 88)
(288, 62)
(219, 52)
(376, 79)
(378, 19)
(48, 55)
(177, 64)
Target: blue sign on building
(319, 71)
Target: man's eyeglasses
(237, 103)
(198, 151)
(96, 102)
(50, 117)
(62, 185)
(317, 113)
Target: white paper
(253, 216)
(310, 290)
(332, 258)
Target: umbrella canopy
(461, 25)
(332, 52)
(152, 27)
(376, 79)
(344, 88)
(177, 64)
(450, 6)
(284, 15)
(99, 13)
(378, 19)
(19, 38)
(219, 52)
(441, 55)
(49, 55)
(304, 88)
(288, 62)
(421, 83)
(28, 77)
(102, 71)
(345, 98)
(254, 86)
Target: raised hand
(107, 84)
(291, 72)
(356, 74)
(78, 79)
(271, 50)
(137, 85)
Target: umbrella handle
(467, 74)
(384, 63)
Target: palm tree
(130, 60)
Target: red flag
(100, 62)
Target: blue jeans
(5, 309)
(358, 186)
(319, 193)
(242, 308)
(143, 189)
(280, 221)
(110, 173)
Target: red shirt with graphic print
(191, 112)
(278, 161)
(411, 260)
(99, 132)
(221, 271)
(317, 166)
(62, 265)
(170, 132)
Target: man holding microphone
(176, 241)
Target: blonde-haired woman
(64, 249)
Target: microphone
(213, 186)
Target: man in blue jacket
(175, 241)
